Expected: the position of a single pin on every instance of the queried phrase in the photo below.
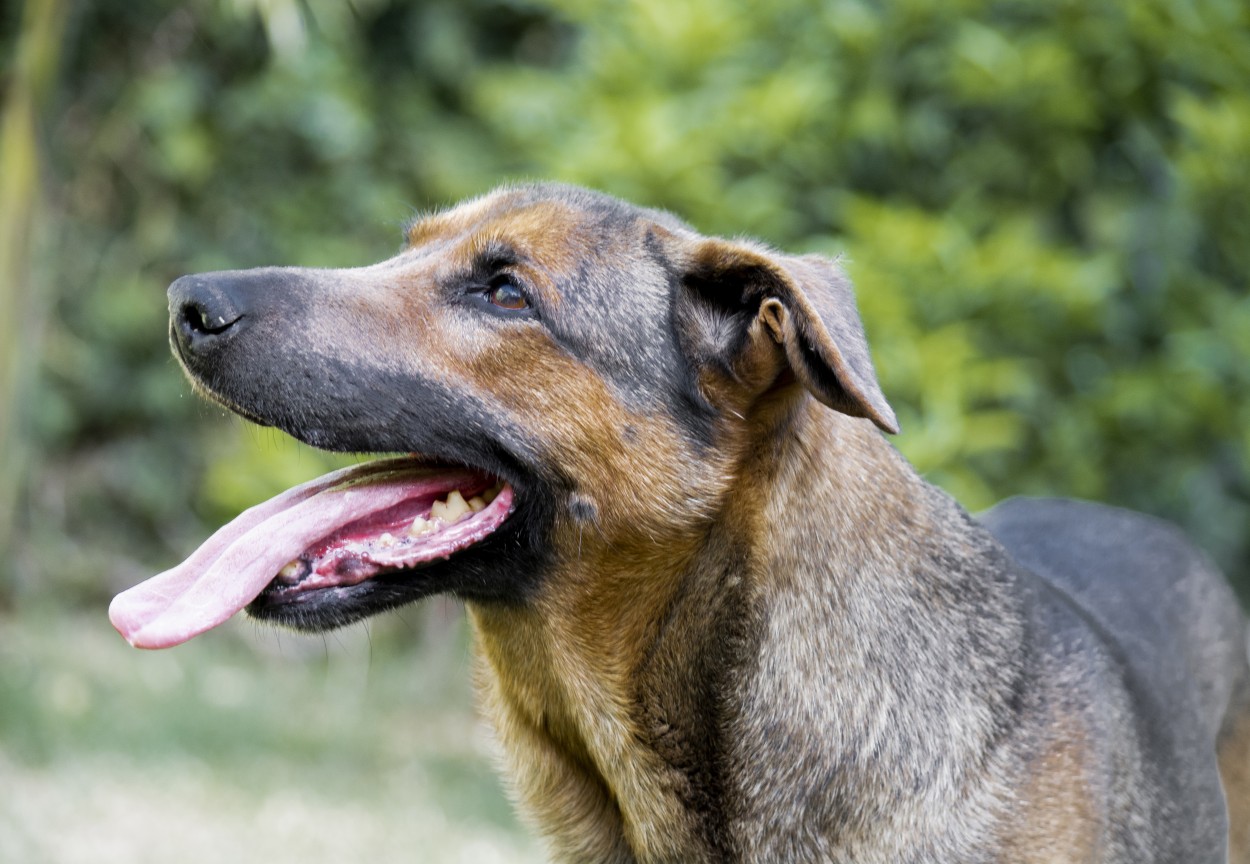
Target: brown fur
(1234, 756)
(1059, 813)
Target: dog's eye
(505, 294)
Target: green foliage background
(1045, 207)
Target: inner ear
(752, 312)
(718, 314)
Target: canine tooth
(476, 504)
(420, 527)
(291, 571)
(458, 507)
(452, 509)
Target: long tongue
(236, 564)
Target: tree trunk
(33, 74)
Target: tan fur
(563, 671)
(1234, 755)
(1057, 816)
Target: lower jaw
(506, 569)
(316, 610)
(321, 609)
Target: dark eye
(505, 294)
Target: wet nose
(204, 311)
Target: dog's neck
(902, 657)
(780, 663)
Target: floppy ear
(802, 304)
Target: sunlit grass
(247, 745)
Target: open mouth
(332, 533)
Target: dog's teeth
(291, 571)
(387, 540)
(420, 527)
(477, 504)
(452, 509)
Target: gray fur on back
(1172, 630)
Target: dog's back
(1169, 628)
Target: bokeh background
(1045, 205)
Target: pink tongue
(241, 558)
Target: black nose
(203, 310)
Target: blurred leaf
(1045, 207)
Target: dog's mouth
(328, 535)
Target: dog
(718, 616)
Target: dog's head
(567, 365)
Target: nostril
(203, 321)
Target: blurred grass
(247, 745)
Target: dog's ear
(752, 302)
